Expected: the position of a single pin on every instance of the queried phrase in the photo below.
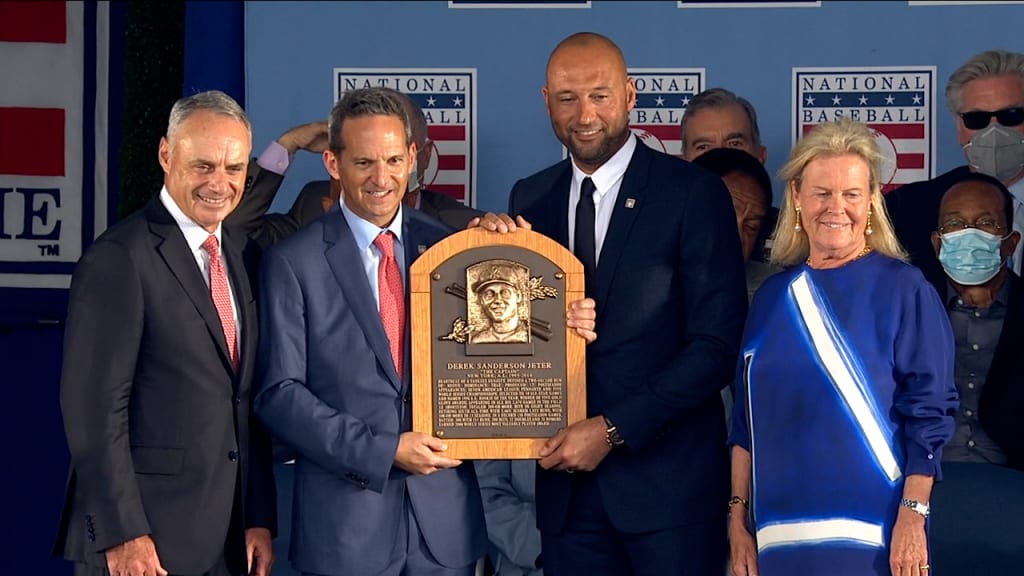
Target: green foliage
(153, 75)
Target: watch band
(611, 434)
(920, 507)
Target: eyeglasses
(984, 224)
(978, 119)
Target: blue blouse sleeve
(926, 396)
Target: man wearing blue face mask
(986, 99)
(985, 301)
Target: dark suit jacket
(914, 212)
(328, 388)
(1002, 399)
(446, 209)
(671, 302)
(261, 187)
(157, 420)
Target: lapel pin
(630, 202)
(422, 248)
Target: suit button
(238, 400)
(233, 455)
(405, 398)
(248, 181)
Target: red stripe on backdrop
(32, 141)
(451, 162)
(446, 132)
(886, 188)
(910, 161)
(457, 191)
(33, 22)
(898, 131)
(661, 131)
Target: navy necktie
(583, 239)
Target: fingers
(502, 223)
(523, 223)
(445, 462)
(434, 443)
(553, 443)
(582, 316)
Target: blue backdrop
(292, 48)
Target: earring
(797, 227)
(867, 232)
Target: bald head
(589, 96)
(592, 45)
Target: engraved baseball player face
(588, 97)
(500, 301)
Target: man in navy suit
(639, 487)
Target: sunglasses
(978, 119)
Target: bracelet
(737, 500)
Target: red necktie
(391, 296)
(222, 297)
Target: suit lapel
(341, 252)
(632, 190)
(242, 290)
(170, 244)
(555, 205)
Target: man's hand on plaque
(579, 448)
(499, 223)
(418, 453)
(582, 316)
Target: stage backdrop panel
(759, 51)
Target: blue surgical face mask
(970, 256)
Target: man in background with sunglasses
(986, 98)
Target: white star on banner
(659, 101)
(810, 100)
(889, 99)
(836, 100)
(863, 100)
(917, 99)
(456, 101)
(431, 101)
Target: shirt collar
(365, 231)
(1002, 297)
(610, 172)
(194, 234)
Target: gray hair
(374, 101)
(213, 101)
(983, 65)
(720, 98)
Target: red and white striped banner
(48, 211)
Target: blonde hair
(840, 138)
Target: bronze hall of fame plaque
(495, 370)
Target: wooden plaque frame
(423, 277)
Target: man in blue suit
(640, 487)
(371, 496)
